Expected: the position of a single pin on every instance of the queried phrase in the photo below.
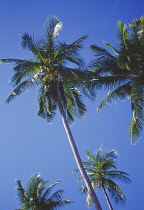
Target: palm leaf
(106, 43)
(119, 175)
(108, 82)
(121, 92)
(115, 192)
(137, 96)
(31, 44)
(22, 87)
(101, 54)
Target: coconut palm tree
(39, 197)
(60, 86)
(102, 171)
(123, 73)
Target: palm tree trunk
(76, 154)
(107, 198)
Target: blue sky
(27, 143)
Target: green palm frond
(22, 87)
(26, 65)
(108, 82)
(101, 55)
(137, 97)
(115, 192)
(22, 194)
(79, 108)
(31, 44)
(46, 103)
(24, 70)
(121, 92)
(91, 157)
(12, 60)
(106, 43)
(119, 175)
(123, 36)
(70, 52)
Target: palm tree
(39, 197)
(102, 172)
(60, 87)
(123, 74)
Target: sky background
(27, 143)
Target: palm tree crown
(39, 197)
(49, 71)
(124, 72)
(102, 171)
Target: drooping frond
(118, 175)
(25, 69)
(78, 109)
(115, 192)
(71, 100)
(11, 60)
(121, 92)
(101, 55)
(137, 98)
(47, 102)
(108, 82)
(48, 191)
(22, 87)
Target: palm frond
(101, 55)
(70, 52)
(108, 82)
(122, 35)
(115, 192)
(31, 44)
(22, 87)
(106, 43)
(46, 104)
(137, 97)
(121, 92)
(12, 60)
(119, 175)
(48, 191)
(25, 69)
(22, 194)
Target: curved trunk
(76, 154)
(107, 198)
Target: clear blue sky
(27, 143)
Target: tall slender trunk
(76, 154)
(107, 198)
